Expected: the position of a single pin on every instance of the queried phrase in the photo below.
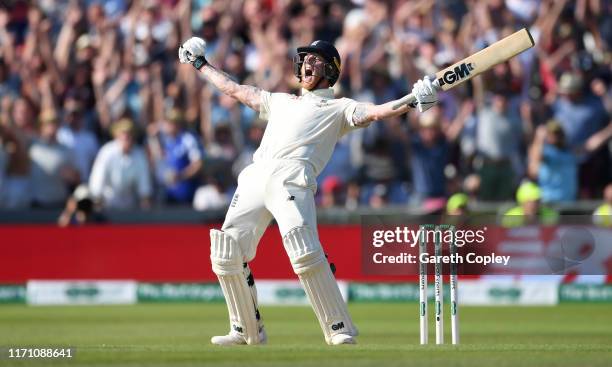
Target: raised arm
(425, 96)
(598, 139)
(535, 152)
(249, 95)
(192, 52)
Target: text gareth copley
(470, 258)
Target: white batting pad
(226, 259)
(312, 268)
(251, 283)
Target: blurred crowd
(94, 105)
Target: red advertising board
(180, 253)
(151, 253)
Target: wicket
(438, 286)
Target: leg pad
(227, 263)
(309, 263)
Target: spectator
(553, 164)
(53, 171)
(210, 196)
(430, 148)
(530, 210)
(457, 204)
(429, 156)
(352, 196)
(581, 116)
(457, 210)
(254, 136)
(83, 144)
(341, 169)
(379, 196)
(498, 140)
(221, 153)
(9, 82)
(379, 173)
(471, 186)
(120, 177)
(603, 214)
(117, 58)
(178, 160)
(23, 118)
(331, 191)
(15, 192)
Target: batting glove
(192, 52)
(425, 94)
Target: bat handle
(410, 100)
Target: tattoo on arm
(367, 112)
(252, 96)
(246, 94)
(360, 115)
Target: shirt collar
(321, 93)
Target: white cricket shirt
(304, 127)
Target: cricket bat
(477, 63)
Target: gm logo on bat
(459, 72)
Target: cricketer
(280, 183)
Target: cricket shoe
(339, 339)
(234, 338)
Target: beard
(310, 79)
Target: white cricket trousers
(283, 189)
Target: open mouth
(308, 71)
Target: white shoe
(342, 339)
(236, 339)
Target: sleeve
(145, 188)
(348, 109)
(94, 145)
(193, 149)
(265, 106)
(97, 177)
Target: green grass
(178, 335)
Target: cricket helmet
(331, 69)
